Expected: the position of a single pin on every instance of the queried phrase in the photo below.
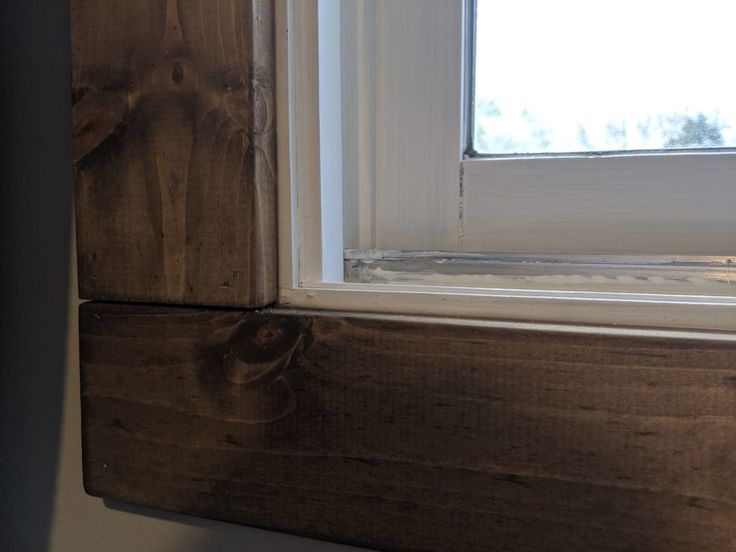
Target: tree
(617, 134)
(696, 131)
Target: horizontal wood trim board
(412, 435)
(174, 150)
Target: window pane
(578, 75)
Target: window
(384, 207)
(296, 420)
(571, 76)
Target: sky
(573, 63)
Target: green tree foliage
(617, 134)
(696, 131)
(522, 131)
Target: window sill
(666, 315)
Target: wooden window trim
(175, 151)
(399, 433)
(408, 434)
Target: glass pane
(579, 75)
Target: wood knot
(260, 349)
(174, 76)
(246, 374)
(269, 334)
(177, 74)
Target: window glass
(582, 76)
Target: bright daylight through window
(581, 76)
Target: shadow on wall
(35, 176)
(225, 537)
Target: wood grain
(174, 150)
(404, 435)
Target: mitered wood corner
(408, 435)
(174, 150)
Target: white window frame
(310, 224)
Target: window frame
(310, 222)
(406, 91)
(282, 419)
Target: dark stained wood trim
(174, 150)
(412, 435)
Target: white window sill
(634, 310)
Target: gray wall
(43, 505)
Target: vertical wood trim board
(174, 150)
(412, 436)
